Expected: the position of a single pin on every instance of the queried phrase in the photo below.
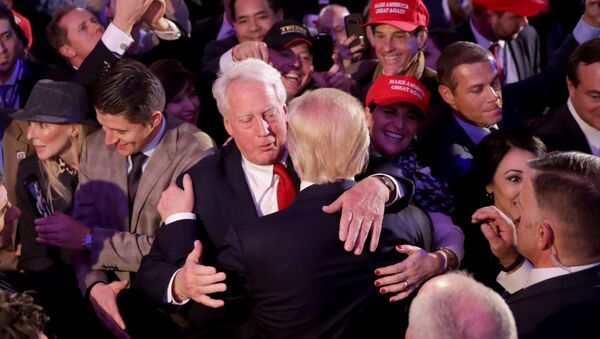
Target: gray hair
(455, 306)
(247, 70)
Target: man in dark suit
(89, 48)
(556, 291)
(575, 126)
(502, 27)
(470, 86)
(299, 286)
(241, 175)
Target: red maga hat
(397, 89)
(518, 7)
(406, 15)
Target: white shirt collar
(592, 135)
(262, 184)
(475, 133)
(540, 274)
(149, 149)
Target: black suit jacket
(222, 200)
(525, 49)
(300, 281)
(560, 132)
(567, 306)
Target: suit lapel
(236, 181)
(565, 121)
(157, 165)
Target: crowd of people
(259, 169)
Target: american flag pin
(21, 155)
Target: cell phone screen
(354, 26)
(322, 50)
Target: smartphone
(322, 51)
(354, 26)
(42, 208)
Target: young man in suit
(575, 126)
(470, 86)
(123, 170)
(556, 291)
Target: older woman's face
(50, 140)
(393, 128)
(508, 180)
(185, 105)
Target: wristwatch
(87, 241)
(390, 186)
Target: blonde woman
(58, 117)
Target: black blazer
(525, 49)
(560, 132)
(292, 271)
(222, 200)
(567, 306)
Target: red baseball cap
(395, 89)
(517, 7)
(406, 15)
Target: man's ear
(227, 124)
(156, 119)
(422, 37)
(66, 51)
(447, 95)
(545, 236)
(369, 117)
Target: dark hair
(456, 54)
(566, 183)
(6, 13)
(586, 53)
(274, 5)
(20, 317)
(129, 89)
(493, 148)
(173, 76)
(55, 34)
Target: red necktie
(286, 191)
(495, 49)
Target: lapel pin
(21, 155)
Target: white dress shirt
(592, 135)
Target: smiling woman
(499, 164)
(57, 113)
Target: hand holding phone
(322, 50)
(32, 185)
(354, 26)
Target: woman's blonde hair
(50, 168)
(328, 137)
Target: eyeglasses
(270, 116)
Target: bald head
(454, 305)
(331, 21)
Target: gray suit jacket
(101, 199)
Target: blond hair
(328, 137)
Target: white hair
(247, 70)
(455, 306)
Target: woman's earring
(490, 196)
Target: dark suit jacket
(525, 49)
(301, 282)
(560, 132)
(567, 306)
(213, 52)
(223, 199)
